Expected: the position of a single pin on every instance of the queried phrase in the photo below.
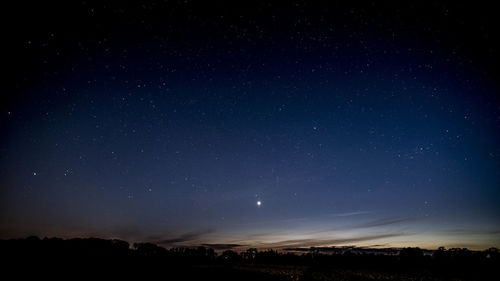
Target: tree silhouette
(144, 259)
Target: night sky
(259, 125)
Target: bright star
(259, 203)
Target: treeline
(108, 254)
(96, 247)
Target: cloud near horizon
(389, 221)
(313, 242)
(189, 236)
(223, 246)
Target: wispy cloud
(463, 231)
(367, 224)
(348, 214)
(313, 242)
(189, 236)
(223, 246)
(389, 221)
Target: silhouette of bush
(149, 250)
(230, 255)
(411, 253)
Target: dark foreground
(97, 259)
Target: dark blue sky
(368, 126)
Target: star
(259, 203)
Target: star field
(298, 126)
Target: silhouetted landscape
(96, 258)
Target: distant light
(259, 203)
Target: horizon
(252, 125)
(219, 248)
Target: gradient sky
(167, 122)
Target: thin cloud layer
(223, 246)
(390, 221)
(189, 236)
(313, 242)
